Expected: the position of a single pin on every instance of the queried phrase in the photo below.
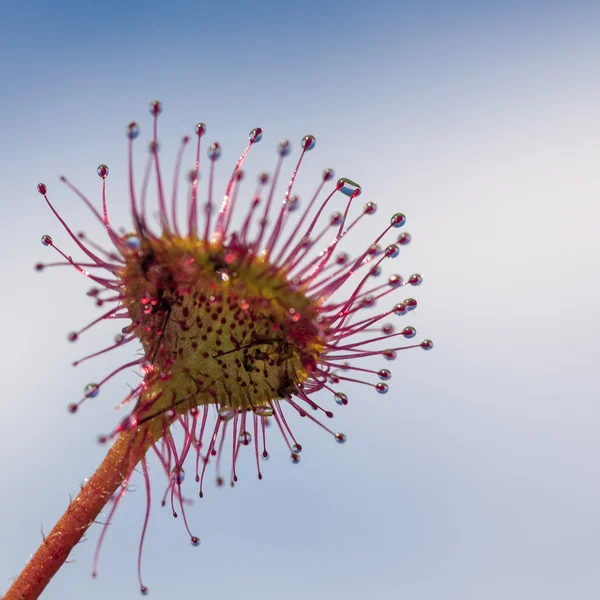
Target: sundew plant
(239, 328)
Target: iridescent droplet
(41, 188)
(340, 438)
(400, 309)
(349, 187)
(255, 135)
(155, 107)
(392, 251)
(404, 238)
(296, 448)
(335, 218)
(382, 388)
(214, 151)
(389, 354)
(308, 142)
(177, 475)
(195, 541)
(398, 220)
(200, 129)
(132, 130)
(328, 174)
(131, 241)
(144, 590)
(384, 374)
(395, 281)
(245, 438)
(102, 171)
(410, 303)
(340, 398)
(295, 458)
(415, 279)
(264, 411)
(293, 202)
(72, 336)
(409, 332)
(284, 148)
(427, 344)
(370, 208)
(46, 240)
(226, 413)
(265, 455)
(91, 390)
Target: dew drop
(340, 438)
(144, 590)
(342, 258)
(214, 151)
(200, 129)
(265, 455)
(295, 458)
(72, 336)
(39, 267)
(427, 344)
(132, 130)
(395, 281)
(41, 188)
(368, 301)
(195, 541)
(102, 171)
(245, 438)
(284, 149)
(349, 187)
(119, 338)
(374, 250)
(384, 374)
(404, 238)
(415, 279)
(91, 390)
(177, 475)
(409, 332)
(255, 135)
(296, 448)
(226, 413)
(387, 328)
(398, 220)
(72, 408)
(263, 411)
(335, 218)
(392, 251)
(155, 107)
(340, 398)
(293, 203)
(382, 388)
(389, 354)
(328, 174)
(370, 208)
(46, 240)
(308, 142)
(131, 241)
(400, 309)
(410, 303)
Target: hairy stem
(125, 453)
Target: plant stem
(125, 453)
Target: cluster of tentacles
(238, 327)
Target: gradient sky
(477, 476)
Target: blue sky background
(477, 475)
